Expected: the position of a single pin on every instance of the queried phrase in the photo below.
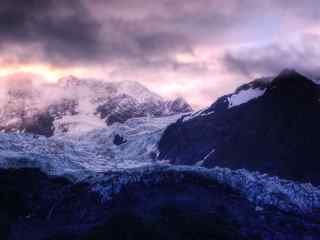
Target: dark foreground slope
(276, 133)
(153, 205)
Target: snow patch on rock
(245, 96)
(200, 113)
(84, 121)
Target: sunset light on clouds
(195, 49)
(159, 119)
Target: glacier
(93, 158)
(74, 152)
(109, 161)
(260, 189)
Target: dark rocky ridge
(276, 133)
(35, 206)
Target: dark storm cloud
(71, 32)
(77, 31)
(272, 59)
(62, 29)
(251, 61)
(142, 33)
(307, 9)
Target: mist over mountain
(90, 156)
(78, 103)
(159, 120)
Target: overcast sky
(198, 49)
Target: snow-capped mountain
(83, 104)
(269, 125)
(91, 180)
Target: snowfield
(245, 96)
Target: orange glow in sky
(50, 74)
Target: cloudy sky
(195, 49)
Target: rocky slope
(157, 203)
(270, 126)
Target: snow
(200, 113)
(137, 91)
(245, 96)
(234, 100)
(81, 123)
(87, 95)
(199, 163)
(93, 158)
(93, 151)
(85, 152)
(104, 89)
(77, 125)
(108, 168)
(208, 155)
(52, 157)
(13, 121)
(260, 189)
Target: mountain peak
(67, 78)
(291, 76)
(67, 81)
(291, 84)
(137, 91)
(288, 72)
(179, 105)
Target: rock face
(35, 206)
(42, 109)
(268, 126)
(150, 205)
(118, 140)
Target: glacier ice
(107, 168)
(94, 150)
(260, 189)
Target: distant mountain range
(270, 125)
(82, 104)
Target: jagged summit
(290, 84)
(260, 83)
(105, 89)
(291, 74)
(76, 103)
(288, 72)
(136, 90)
(286, 76)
